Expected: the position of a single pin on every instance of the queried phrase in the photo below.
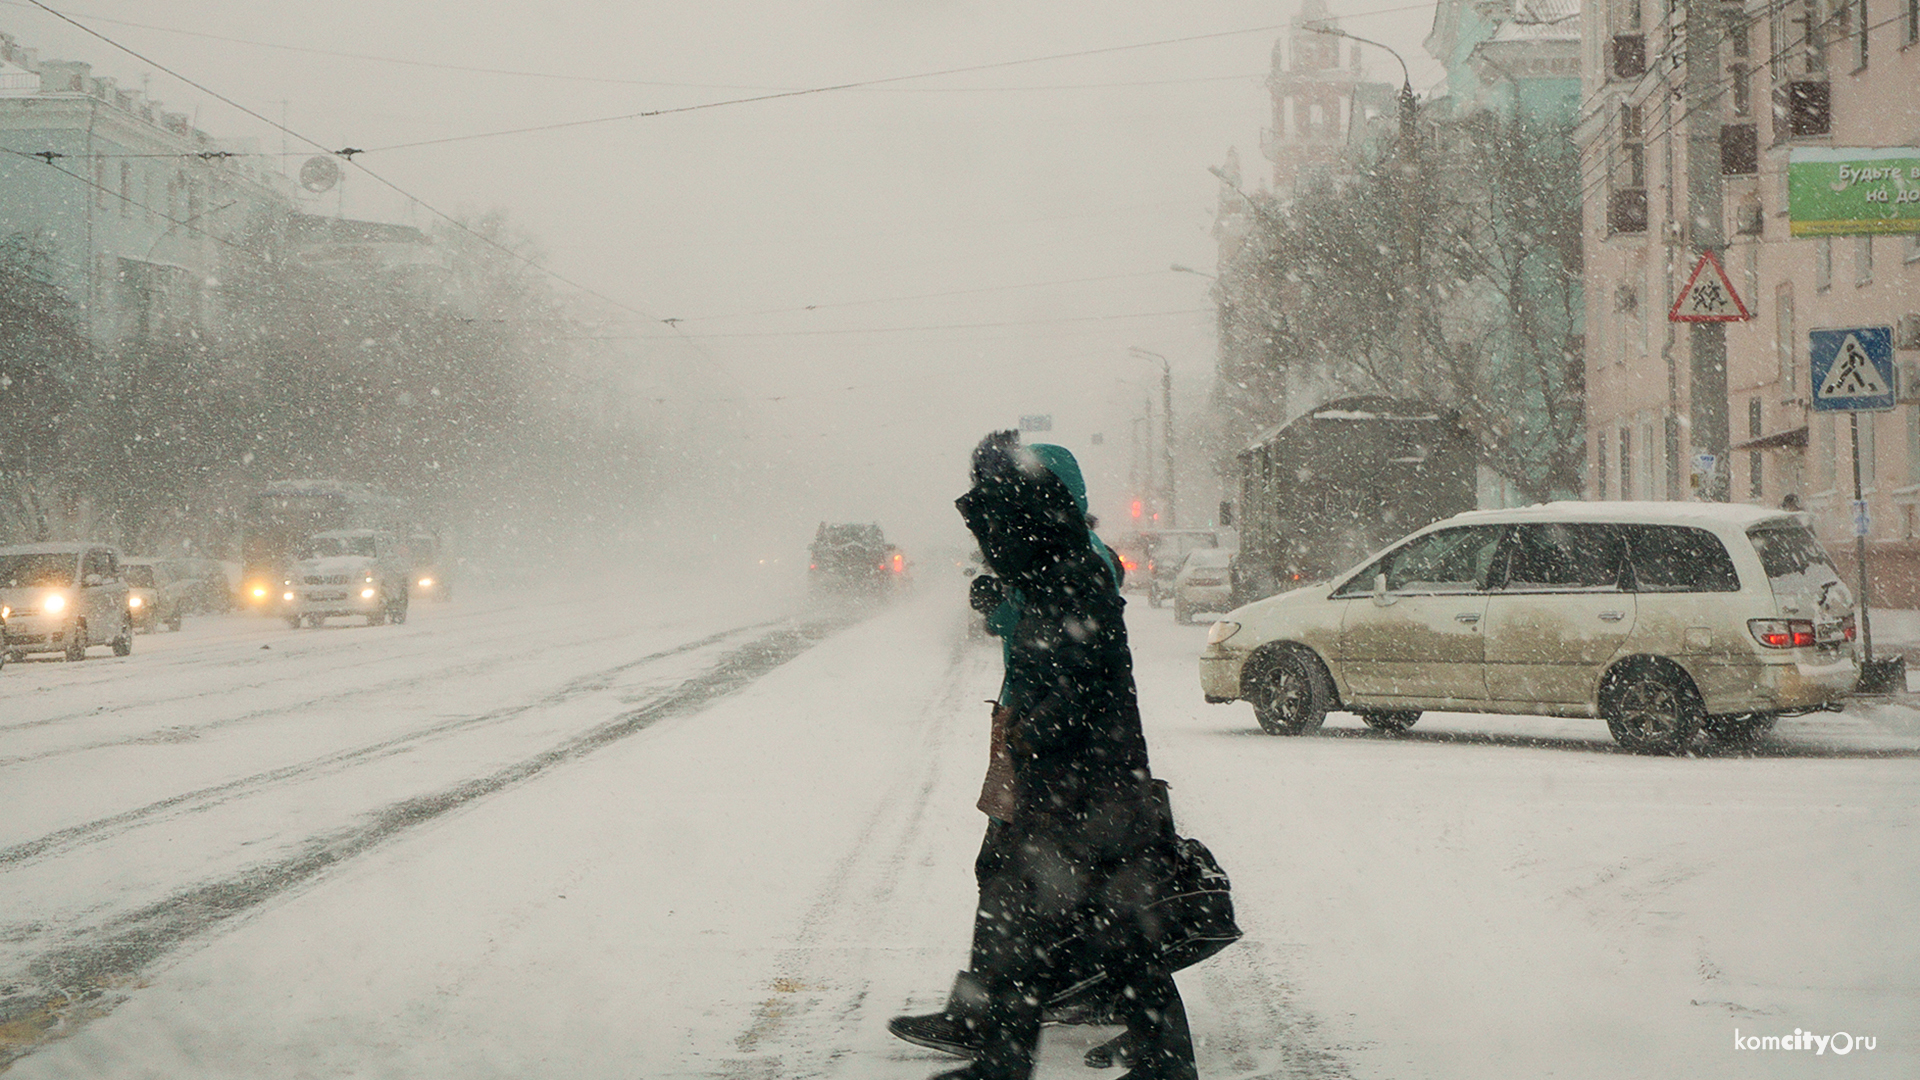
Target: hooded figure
(1086, 836)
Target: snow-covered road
(657, 832)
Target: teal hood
(1060, 462)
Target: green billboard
(1843, 192)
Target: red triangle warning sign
(1708, 297)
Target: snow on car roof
(1718, 516)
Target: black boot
(1115, 1051)
(953, 1030)
(1161, 1047)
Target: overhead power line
(811, 90)
(606, 80)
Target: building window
(1742, 90)
(1629, 56)
(1739, 149)
(1863, 260)
(1633, 15)
(1630, 125)
(1813, 33)
(1913, 22)
(1738, 38)
(1913, 444)
(1750, 220)
(1809, 108)
(1783, 343)
(1627, 211)
(1756, 491)
(1913, 240)
(1626, 463)
(1823, 264)
(1868, 456)
(1823, 449)
(1864, 26)
(1600, 465)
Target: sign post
(1853, 373)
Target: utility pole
(1166, 430)
(1706, 231)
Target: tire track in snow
(811, 1021)
(61, 841)
(81, 980)
(412, 678)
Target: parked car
(64, 598)
(1203, 583)
(154, 596)
(1664, 619)
(205, 587)
(347, 572)
(1166, 550)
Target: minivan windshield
(140, 576)
(43, 569)
(327, 547)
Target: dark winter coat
(1076, 737)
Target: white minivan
(64, 598)
(1667, 620)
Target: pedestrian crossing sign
(1709, 295)
(1852, 369)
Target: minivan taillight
(1846, 625)
(1784, 633)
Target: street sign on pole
(1852, 369)
(1708, 297)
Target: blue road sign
(1852, 369)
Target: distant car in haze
(154, 596)
(1203, 583)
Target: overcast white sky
(1046, 201)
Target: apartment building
(138, 208)
(1773, 76)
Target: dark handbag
(1195, 907)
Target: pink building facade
(1791, 73)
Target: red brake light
(1782, 633)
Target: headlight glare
(1221, 631)
(366, 594)
(53, 602)
(134, 601)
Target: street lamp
(1406, 78)
(1166, 422)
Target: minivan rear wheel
(1290, 691)
(1651, 709)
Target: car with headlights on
(348, 572)
(154, 596)
(1666, 620)
(64, 598)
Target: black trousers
(1062, 901)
